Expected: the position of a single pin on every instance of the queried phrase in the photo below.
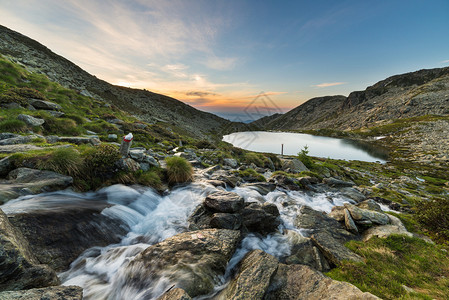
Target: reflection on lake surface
(319, 146)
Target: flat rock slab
(333, 248)
(50, 293)
(299, 282)
(18, 148)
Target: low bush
(149, 178)
(304, 157)
(62, 126)
(101, 160)
(433, 216)
(13, 125)
(66, 161)
(179, 170)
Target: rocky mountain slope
(424, 92)
(147, 106)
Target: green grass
(179, 170)
(251, 174)
(396, 261)
(66, 161)
(13, 125)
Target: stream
(152, 218)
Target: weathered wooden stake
(126, 144)
(282, 149)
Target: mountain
(424, 92)
(147, 106)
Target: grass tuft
(179, 170)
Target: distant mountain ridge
(148, 106)
(424, 92)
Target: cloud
(445, 61)
(176, 70)
(221, 63)
(200, 93)
(328, 84)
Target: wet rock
(45, 105)
(253, 279)
(230, 162)
(223, 201)
(200, 218)
(365, 216)
(305, 253)
(19, 268)
(261, 218)
(31, 121)
(334, 182)
(192, 261)
(231, 180)
(262, 187)
(59, 233)
(226, 221)
(285, 182)
(175, 294)
(217, 183)
(49, 293)
(36, 181)
(292, 282)
(6, 165)
(293, 165)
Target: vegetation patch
(395, 262)
(179, 170)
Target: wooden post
(282, 149)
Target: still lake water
(319, 146)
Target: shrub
(433, 215)
(303, 156)
(254, 158)
(149, 178)
(101, 159)
(13, 125)
(63, 160)
(179, 170)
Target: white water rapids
(153, 218)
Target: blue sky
(219, 55)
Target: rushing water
(153, 218)
(319, 146)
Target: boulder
(226, 221)
(112, 137)
(349, 223)
(59, 227)
(7, 135)
(292, 282)
(334, 182)
(21, 139)
(30, 120)
(56, 114)
(337, 213)
(19, 268)
(365, 216)
(45, 105)
(128, 164)
(261, 218)
(285, 182)
(352, 194)
(223, 201)
(262, 188)
(193, 261)
(49, 293)
(370, 204)
(217, 183)
(175, 294)
(253, 278)
(385, 231)
(32, 181)
(230, 162)
(18, 148)
(293, 165)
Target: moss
(251, 175)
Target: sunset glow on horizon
(218, 56)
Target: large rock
(222, 201)
(262, 188)
(6, 166)
(192, 261)
(261, 218)
(45, 105)
(385, 231)
(293, 282)
(21, 139)
(18, 148)
(334, 182)
(230, 162)
(328, 235)
(366, 217)
(293, 165)
(30, 120)
(253, 278)
(49, 293)
(23, 181)
(19, 268)
(60, 227)
(285, 182)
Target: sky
(233, 56)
